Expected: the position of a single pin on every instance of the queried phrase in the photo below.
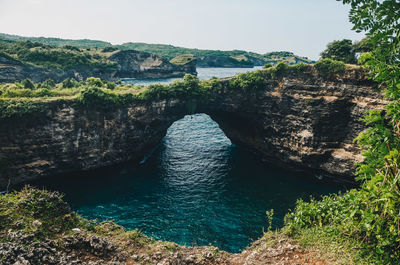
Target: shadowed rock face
(301, 121)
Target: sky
(300, 26)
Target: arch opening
(197, 188)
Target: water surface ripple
(195, 189)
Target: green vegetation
(44, 215)
(329, 67)
(64, 58)
(27, 83)
(69, 50)
(364, 45)
(20, 99)
(287, 57)
(236, 56)
(346, 51)
(85, 43)
(367, 217)
(69, 83)
(37, 212)
(183, 59)
(343, 51)
(169, 52)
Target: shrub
(109, 49)
(93, 81)
(110, 85)
(250, 82)
(95, 96)
(301, 67)
(48, 83)
(329, 67)
(27, 83)
(211, 85)
(268, 65)
(281, 68)
(343, 51)
(38, 212)
(68, 83)
(11, 108)
(72, 48)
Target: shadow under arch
(196, 188)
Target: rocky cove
(304, 121)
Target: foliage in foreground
(371, 214)
(45, 215)
(37, 212)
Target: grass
(41, 213)
(183, 59)
(44, 215)
(329, 244)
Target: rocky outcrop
(116, 249)
(302, 121)
(72, 139)
(130, 64)
(134, 64)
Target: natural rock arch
(306, 123)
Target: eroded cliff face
(302, 121)
(70, 139)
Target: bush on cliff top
(44, 215)
(342, 50)
(11, 108)
(250, 81)
(27, 83)
(370, 214)
(188, 89)
(95, 97)
(329, 67)
(39, 212)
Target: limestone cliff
(301, 121)
(304, 121)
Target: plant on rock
(370, 214)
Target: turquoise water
(196, 188)
(202, 74)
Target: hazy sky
(301, 26)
